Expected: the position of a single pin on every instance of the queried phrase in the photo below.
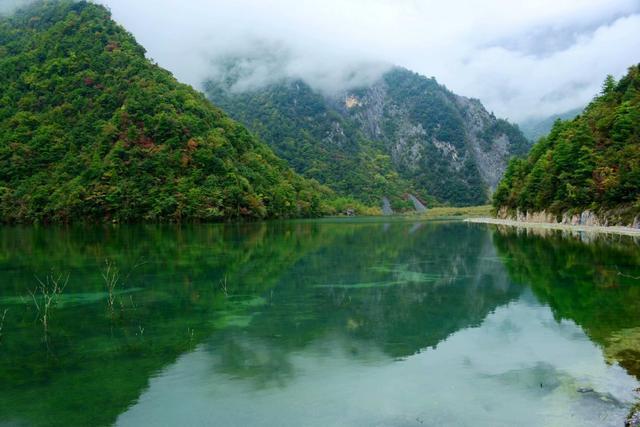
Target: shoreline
(620, 230)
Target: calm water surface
(317, 323)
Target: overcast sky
(521, 59)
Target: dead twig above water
(4, 315)
(48, 292)
(628, 276)
(223, 286)
(113, 280)
(111, 277)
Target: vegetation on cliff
(589, 163)
(405, 133)
(317, 141)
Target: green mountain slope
(403, 134)
(91, 130)
(316, 140)
(589, 163)
(534, 129)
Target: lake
(354, 322)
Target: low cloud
(9, 6)
(522, 59)
(259, 63)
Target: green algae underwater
(318, 322)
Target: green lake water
(318, 323)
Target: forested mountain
(90, 129)
(534, 129)
(403, 134)
(589, 163)
(317, 140)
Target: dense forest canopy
(90, 129)
(591, 162)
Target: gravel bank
(627, 231)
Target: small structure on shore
(386, 207)
(420, 208)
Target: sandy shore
(627, 231)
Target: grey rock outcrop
(586, 218)
(434, 136)
(437, 143)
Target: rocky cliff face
(384, 114)
(608, 218)
(439, 143)
(490, 156)
(446, 143)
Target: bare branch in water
(111, 276)
(4, 314)
(628, 276)
(48, 291)
(223, 285)
(113, 279)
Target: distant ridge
(534, 129)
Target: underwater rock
(633, 420)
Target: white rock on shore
(628, 231)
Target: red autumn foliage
(111, 46)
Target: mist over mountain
(8, 7)
(538, 58)
(260, 63)
(536, 128)
(318, 82)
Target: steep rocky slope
(414, 133)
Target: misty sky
(521, 59)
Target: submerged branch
(48, 291)
(4, 315)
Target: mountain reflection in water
(329, 322)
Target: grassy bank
(443, 212)
(453, 212)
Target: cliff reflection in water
(591, 279)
